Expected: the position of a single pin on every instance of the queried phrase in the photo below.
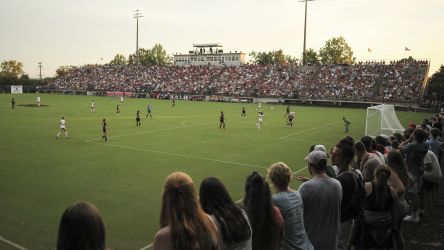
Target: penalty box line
(12, 243)
(178, 155)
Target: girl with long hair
(184, 225)
(381, 198)
(232, 221)
(400, 182)
(266, 219)
(81, 227)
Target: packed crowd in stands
(397, 81)
(359, 194)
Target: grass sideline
(40, 176)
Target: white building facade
(209, 54)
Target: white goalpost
(382, 120)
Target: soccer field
(40, 176)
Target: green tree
(436, 85)
(336, 51)
(155, 56)
(159, 55)
(11, 69)
(64, 70)
(269, 58)
(119, 60)
(311, 57)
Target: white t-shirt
(260, 117)
(434, 174)
(121, 98)
(62, 123)
(92, 104)
(38, 98)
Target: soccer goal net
(382, 120)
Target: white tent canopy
(382, 120)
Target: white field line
(12, 243)
(306, 130)
(152, 131)
(178, 155)
(147, 247)
(151, 244)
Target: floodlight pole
(305, 31)
(137, 15)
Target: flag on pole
(407, 49)
(369, 50)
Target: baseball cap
(320, 147)
(315, 156)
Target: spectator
(265, 219)
(81, 227)
(368, 170)
(368, 143)
(399, 181)
(432, 178)
(415, 150)
(232, 221)
(362, 156)
(184, 225)
(322, 203)
(290, 203)
(381, 198)
(342, 155)
(434, 142)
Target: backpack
(358, 198)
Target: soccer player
(104, 130)
(38, 101)
(93, 106)
(222, 120)
(259, 107)
(121, 99)
(149, 109)
(138, 123)
(346, 124)
(290, 119)
(174, 102)
(13, 103)
(118, 109)
(244, 113)
(62, 128)
(260, 119)
(287, 113)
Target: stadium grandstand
(400, 81)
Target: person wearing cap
(291, 206)
(321, 197)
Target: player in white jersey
(121, 99)
(260, 119)
(38, 101)
(259, 107)
(93, 106)
(62, 128)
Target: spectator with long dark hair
(184, 225)
(266, 219)
(290, 203)
(232, 221)
(399, 181)
(381, 198)
(81, 227)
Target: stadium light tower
(137, 15)
(305, 30)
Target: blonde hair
(280, 174)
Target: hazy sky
(78, 32)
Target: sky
(67, 32)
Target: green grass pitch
(40, 176)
